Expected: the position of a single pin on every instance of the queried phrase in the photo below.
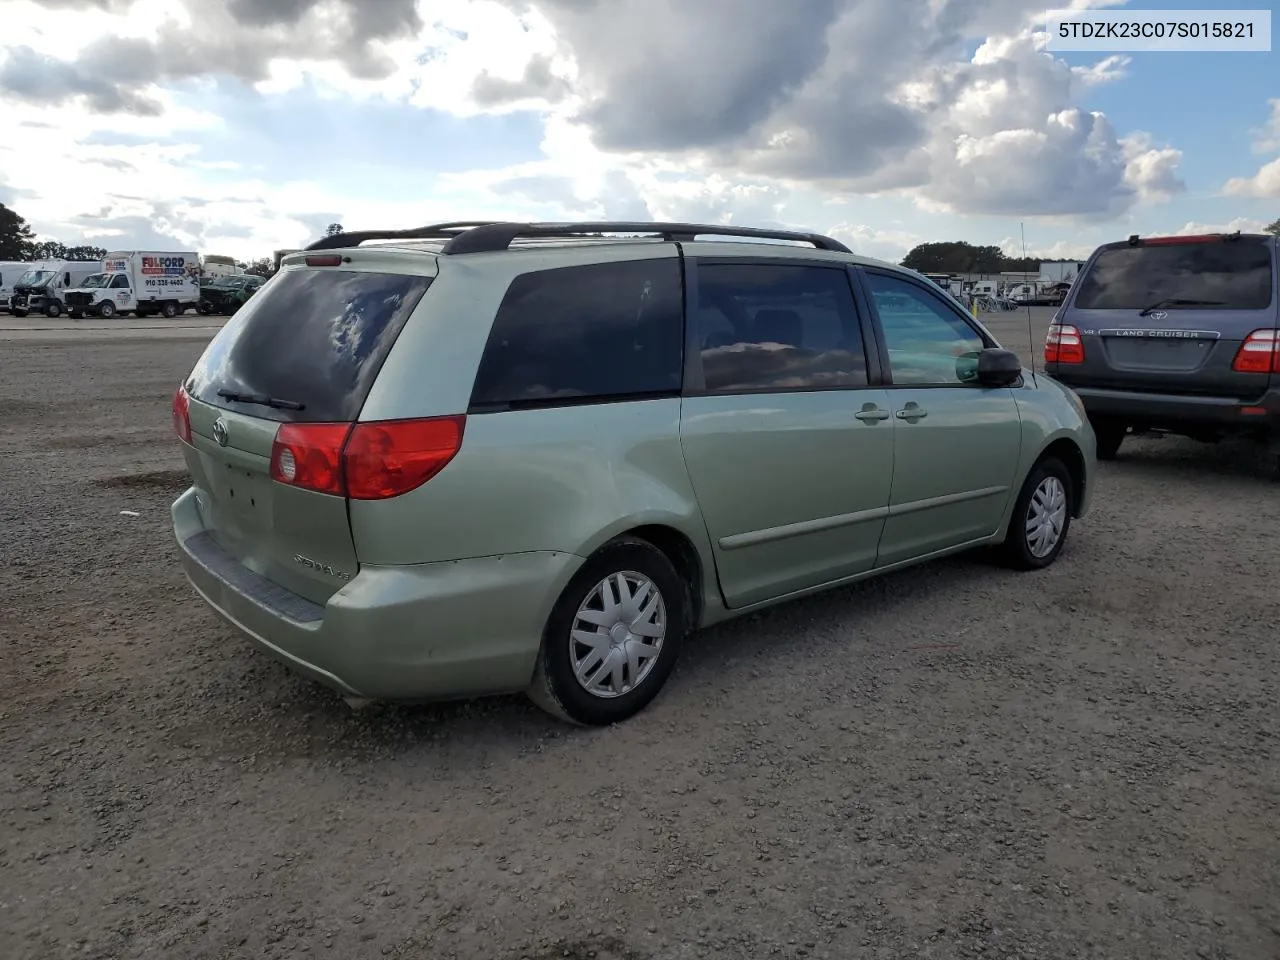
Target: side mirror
(998, 368)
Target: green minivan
(479, 458)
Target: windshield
(36, 278)
(96, 280)
(1222, 275)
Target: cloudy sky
(241, 126)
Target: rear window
(311, 338)
(607, 331)
(1224, 275)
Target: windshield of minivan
(1229, 275)
(36, 278)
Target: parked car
(225, 295)
(1176, 334)
(504, 457)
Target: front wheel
(20, 313)
(53, 310)
(1041, 517)
(613, 636)
(107, 310)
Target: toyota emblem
(1159, 315)
(220, 431)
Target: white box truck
(141, 282)
(43, 287)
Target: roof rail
(435, 231)
(490, 237)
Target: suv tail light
(1260, 353)
(1062, 344)
(365, 461)
(182, 415)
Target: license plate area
(1182, 351)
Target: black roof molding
(435, 231)
(487, 236)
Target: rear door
(305, 350)
(1169, 314)
(787, 435)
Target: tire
(1110, 435)
(1019, 550)
(53, 311)
(169, 310)
(107, 310)
(20, 313)
(555, 686)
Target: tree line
(18, 242)
(960, 257)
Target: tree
(262, 267)
(17, 239)
(1274, 227)
(49, 250)
(333, 229)
(86, 253)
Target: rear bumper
(432, 631)
(1173, 409)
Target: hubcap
(617, 634)
(1046, 516)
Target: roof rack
(435, 231)
(487, 236)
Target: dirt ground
(952, 762)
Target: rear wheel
(1110, 434)
(169, 310)
(613, 636)
(1041, 517)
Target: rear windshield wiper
(1179, 302)
(274, 402)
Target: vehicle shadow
(1167, 456)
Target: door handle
(912, 411)
(870, 413)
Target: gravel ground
(952, 762)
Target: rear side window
(314, 339)
(1220, 275)
(607, 331)
(776, 328)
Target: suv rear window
(1227, 275)
(607, 331)
(310, 337)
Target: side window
(927, 341)
(119, 282)
(777, 327)
(604, 331)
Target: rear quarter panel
(566, 480)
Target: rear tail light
(182, 415)
(1260, 353)
(391, 457)
(1062, 344)
(365, 461)
(309, 455)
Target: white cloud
(1265, 183)
(1242, 224)
(1266, 139)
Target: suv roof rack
(487, 236)
(435, 231)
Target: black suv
(1175, 334)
